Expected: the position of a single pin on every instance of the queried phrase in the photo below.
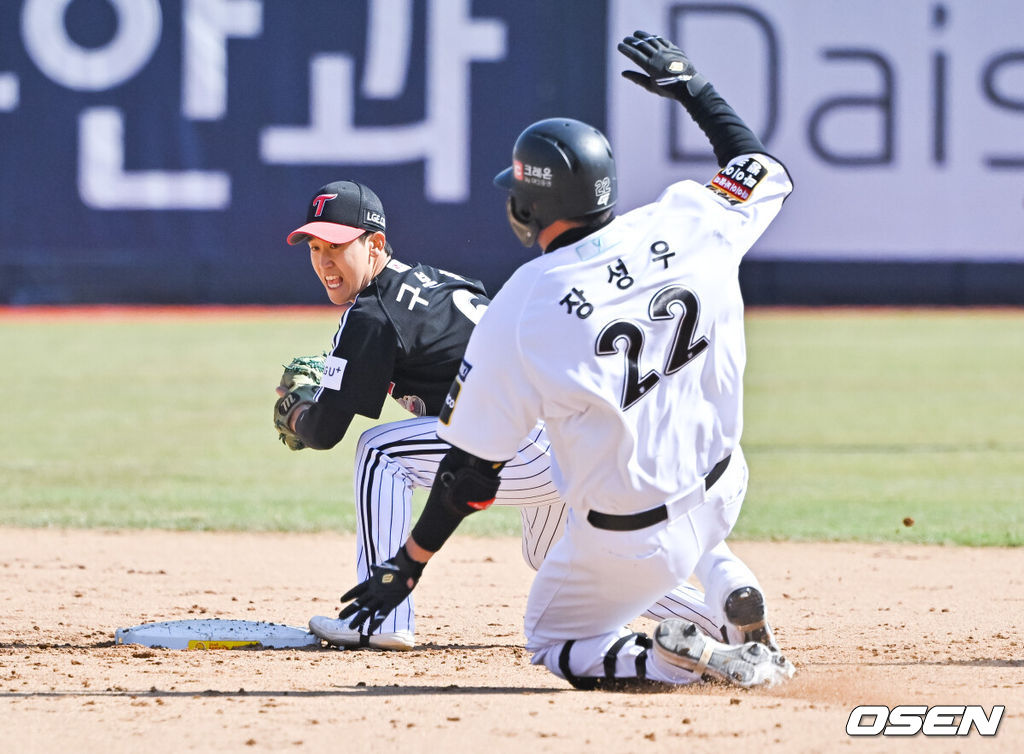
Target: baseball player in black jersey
(626, 337)
(403, 332)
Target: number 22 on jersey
(681, 352)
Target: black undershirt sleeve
(464, 484)
(728, 134)
(322, 429)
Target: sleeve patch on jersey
(334, 368)
(445, 415)
(736, 181)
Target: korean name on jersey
(648, 315)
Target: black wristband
(407, 565)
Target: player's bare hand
(667, 70)
(388, 586)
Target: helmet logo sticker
(603, 191)
(537, 175)
(517, 170)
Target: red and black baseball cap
(340, 212)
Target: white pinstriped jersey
(629, 344)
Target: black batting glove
(390, 583)
(667, 70)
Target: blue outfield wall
(881, 283)
(159, 151)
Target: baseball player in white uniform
(403, 332)
(627, 338)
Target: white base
(214, 633)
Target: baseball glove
(299, 383)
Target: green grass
(858, 420)
(855, 420)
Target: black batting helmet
(562, 169)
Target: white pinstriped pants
(395, 458)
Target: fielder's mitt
(300, 381)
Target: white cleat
(337, 632)
(682, 644)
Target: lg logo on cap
(374, 217)
(320, 201)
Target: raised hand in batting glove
(667, 70)
(390, 583)
(299, 383)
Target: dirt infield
(864, 624)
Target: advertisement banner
(901, 123)
(161, 150)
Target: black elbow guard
(467, 483)
(464, 484)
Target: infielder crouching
(626, 338)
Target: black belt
(642, 520)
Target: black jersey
(404, 336)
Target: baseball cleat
(337, 632)
(745, 610)
(682, 644)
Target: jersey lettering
(425, 279)
(575, 301)
(660, 252)
(414, 298)
(630, 333)
(684, 347)
(683, 350)
(619, 275)
(463, 300)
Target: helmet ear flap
(522, 223)
(518, 210)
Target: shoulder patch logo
(445, 416)
(334, 370)
(737, 181)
